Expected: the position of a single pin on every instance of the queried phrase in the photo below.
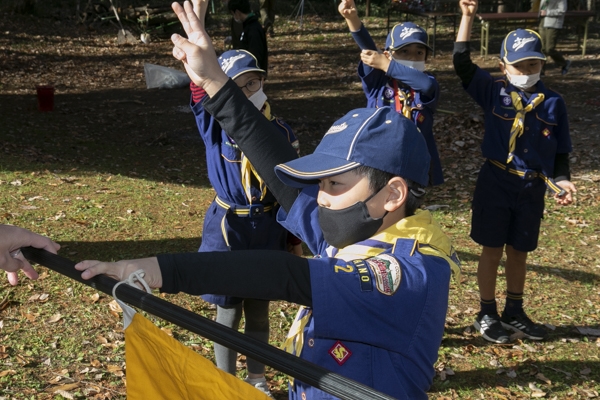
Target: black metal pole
(307, 372)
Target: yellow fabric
(405, 107)
(248, 170)
(549, 182)
(517, 128)
(295, 338)
(431, 240)
(159, 367)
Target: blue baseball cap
(237, 62)
(521, 44)
(404, 34)
(379, 138)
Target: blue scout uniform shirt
(379, 90)
(222, 230)
(362, 324)
(223, 157)
(546, 130)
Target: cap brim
(531, 55)
(247, 70)
(307, 170)
(406, 44)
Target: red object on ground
(45, 96)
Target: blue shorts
(507, 209)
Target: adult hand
(468, 7)
(121, 270)
(375, 59)
(197, 52)
(567, 198)
(12, 238)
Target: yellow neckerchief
(517, 128)
(248, 170)
(405, 98)
(429, 240)
(421, 227)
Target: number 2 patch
(387, 273)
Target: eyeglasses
(252, 85)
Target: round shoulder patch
(387, 273)
(388, 93)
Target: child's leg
(488, 321)
(225, 357)
(256, 313)
(516, 269)
(513, 316)
(487, 271)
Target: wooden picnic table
(487, 18)
(402, 8)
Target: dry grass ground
(117, 171)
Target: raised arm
(197, 52)
(347, 9)
(259, 139)
(461, 58)
(468, 8)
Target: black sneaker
(491, 328)
(565, 69)
(521, 323)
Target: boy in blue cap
(243, 213)
(376, 295)
(396, 77)
(526, 144)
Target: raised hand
(468, 7)
(347, 8)
(197, 52)
(375, 60)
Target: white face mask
(258, 98)
(418, 65)
(523, 82)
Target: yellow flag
(159, 367)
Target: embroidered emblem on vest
(387, 273)
(420, 118)
(340, 353)
(506, 100)
(336, 128)
(388, 93)
(546, 132)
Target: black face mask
(350, 225)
